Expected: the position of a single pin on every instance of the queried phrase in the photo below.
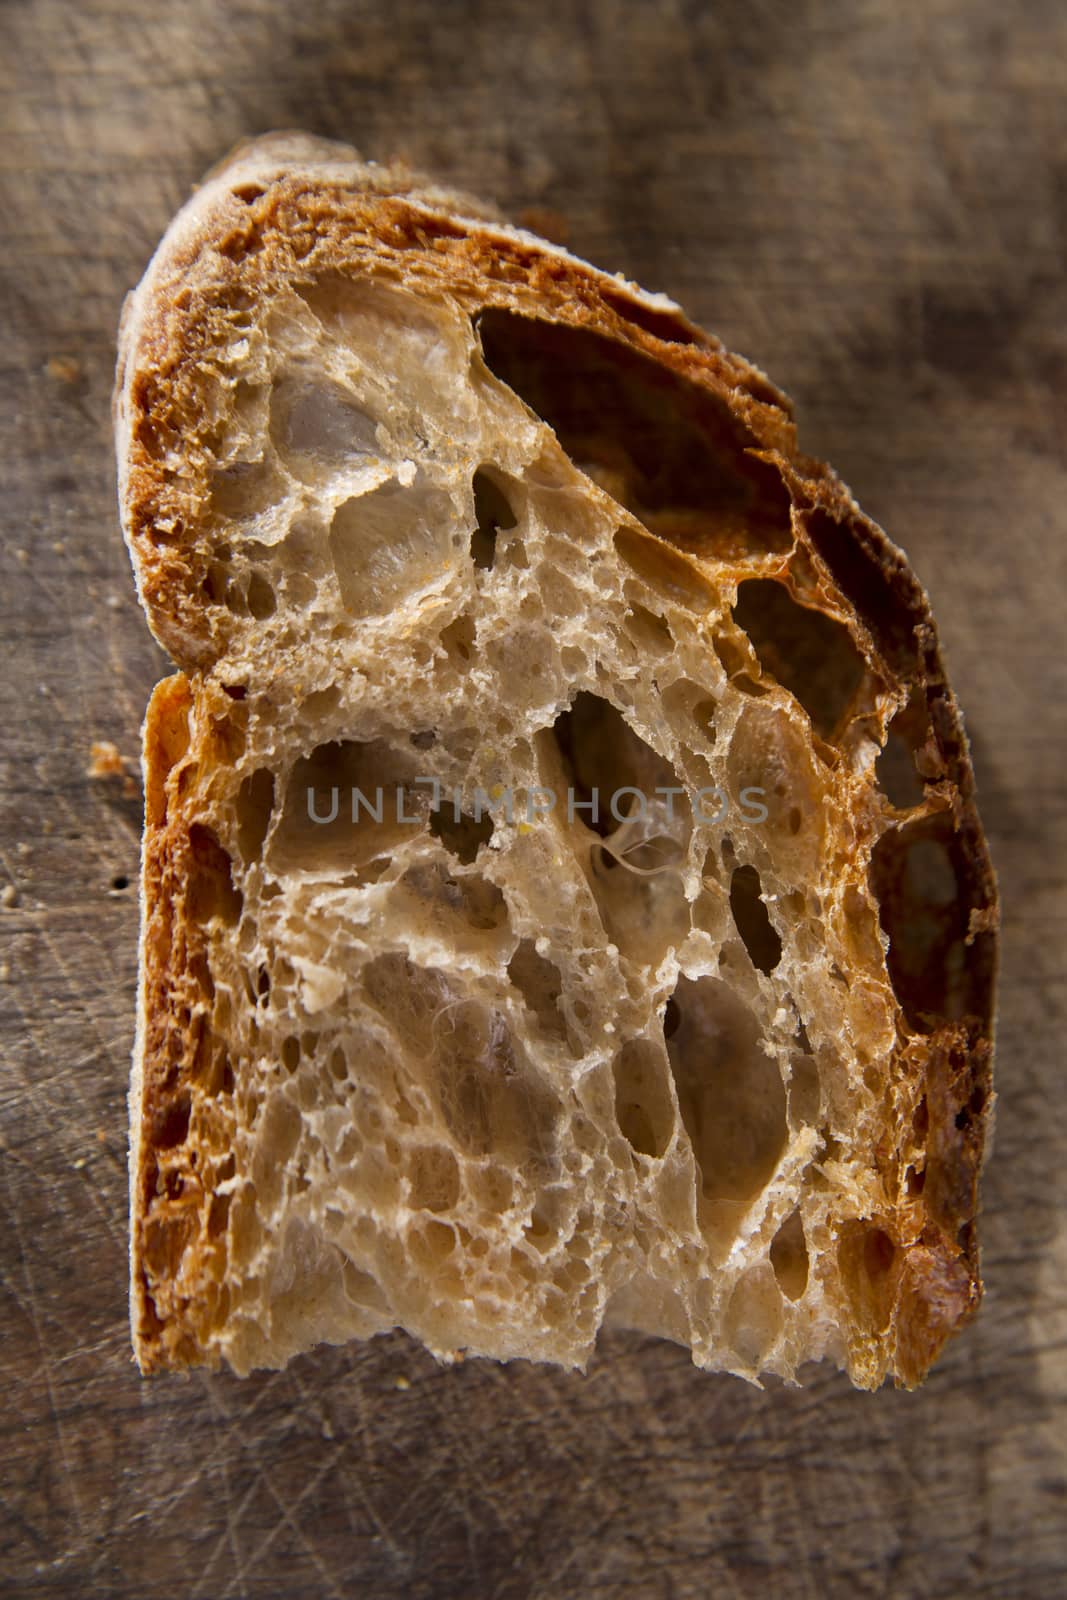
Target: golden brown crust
(176, 1210)
(913, 1273)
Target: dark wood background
(867, 197)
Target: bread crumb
(5, 972)
(105, 760)
(10, 897)
(22, 555)
(401, 1382)
(63, 369)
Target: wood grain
(869, 200)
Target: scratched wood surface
(870, 199)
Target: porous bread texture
(433, 515)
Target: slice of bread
(452, 537)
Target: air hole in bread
(805, 1091)
(869, 1263)
(592, 747)
(319, 429)
(170, 1122)
(919, 879)
(451, 906)
(643, 1106)
(362, 1289)
(255, 803)
(752, 919)
(711, 913)
(461, 834)
(669, 574)
(580, 737)
(879, 1253)
(789, 1256)
(244, 490)
(550, 1216)
(433, 1176)
(741, 667)
(494, 515)
(601, 751)
(771, 770)
(462, 1052)
(730, 1094)
(649, 632)
(344, 805)
(973, 1108)
(492, 1187)
(458, 639)
(218, 1215)
(541, 986)
(667, 449)
(166, 1238)
(389, 544)
(690, 710)
(574, 661)
(896, 770)
(215, 582)
(201, 971)
(320, 703)
(260, 596)
(238, 437)
(430, 1244)
(211, 892)
(887, 598)
(753, 1321)
(897, 777)
(810, 654)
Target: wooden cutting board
(870, 200)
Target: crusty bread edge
(166, 691)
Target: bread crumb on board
(63, 369)
(107, 761)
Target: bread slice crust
(288, 210)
